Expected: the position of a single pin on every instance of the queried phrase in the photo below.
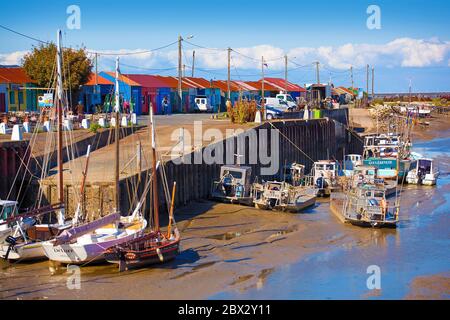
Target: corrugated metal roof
(14, 75)
(198, 82)
(172, 82)
(147, 81)
(280, 83)
(124, 79)
(258, 85)
(100, 80)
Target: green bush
(94, 127)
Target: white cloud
(403, 52)
(13, 58)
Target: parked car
(277, 103)
(288, 99)
(272, 112)
(202, 104)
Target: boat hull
(82, 253)
(23, 252)
(144, 258)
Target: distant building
(13, 93)
(95, 92)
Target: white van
(288, 99)
(202, 104)
(277, 103)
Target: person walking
(164, 105)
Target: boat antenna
(59, 110)
(116, 140)
(154, 175)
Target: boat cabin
(293, 174)
(234, 183)
(326, 169)
(8, 209)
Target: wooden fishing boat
(26, 237)
(154, 246)
(281, 196)
(87, 242)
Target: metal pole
(286, 74)
(367, 85)
(373, 80)
(154, 177)
(116, 141)
(317, 72)
(96, 72)
(229, 76)
(180, 92)
(262, 86)
(60, 110)
(193, 62)
(351, 76)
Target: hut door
(2, 103)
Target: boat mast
(154, 176)
(59, 111)
(116, 141)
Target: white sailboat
(27, 235)
(87, 243)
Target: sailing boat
(153, 246)
(27, 235)
(87, 242)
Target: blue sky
(413, 42)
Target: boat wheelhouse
(325, 173)
(293, 174)
(423, 172)
(282, 196)
(234, 185)
(350, 162)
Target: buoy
(113, 122)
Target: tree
(40, 65)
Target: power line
(23, 35)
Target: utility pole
(180, 92)
(286, 73)
(410, 85)
(351, 76)
(373, 80)
(317, 72)
(96, 72)
(229, 76)
(367, 85)
(262, 82)
(193, 62)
